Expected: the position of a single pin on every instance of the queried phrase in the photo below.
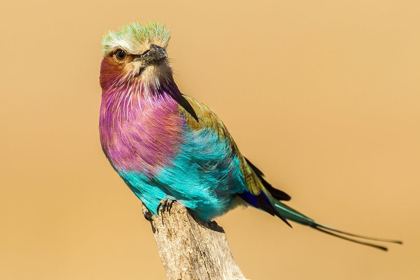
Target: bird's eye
(120, 54)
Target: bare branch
(190, 248)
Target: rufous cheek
(111, 71)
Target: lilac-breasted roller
(167, 145)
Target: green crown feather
(131, 36)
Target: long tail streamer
(289, 213)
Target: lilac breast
(138, 134)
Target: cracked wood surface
(190, 248)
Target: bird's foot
(165, 205)
(147, 214)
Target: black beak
(154, 54)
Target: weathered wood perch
(191, 248)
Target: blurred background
(323, 96)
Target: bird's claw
(147, 214)
(165, 205)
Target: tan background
(324, 97)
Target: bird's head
(135, 55)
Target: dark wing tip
(278, 194)
(256, 169)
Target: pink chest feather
(140, 135)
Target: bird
(168, 146)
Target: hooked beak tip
(155, 53)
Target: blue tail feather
(273, 206)
(269, 201)
(293, 215)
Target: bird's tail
(269, 201)
(291, 214)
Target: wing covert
(206, 118)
